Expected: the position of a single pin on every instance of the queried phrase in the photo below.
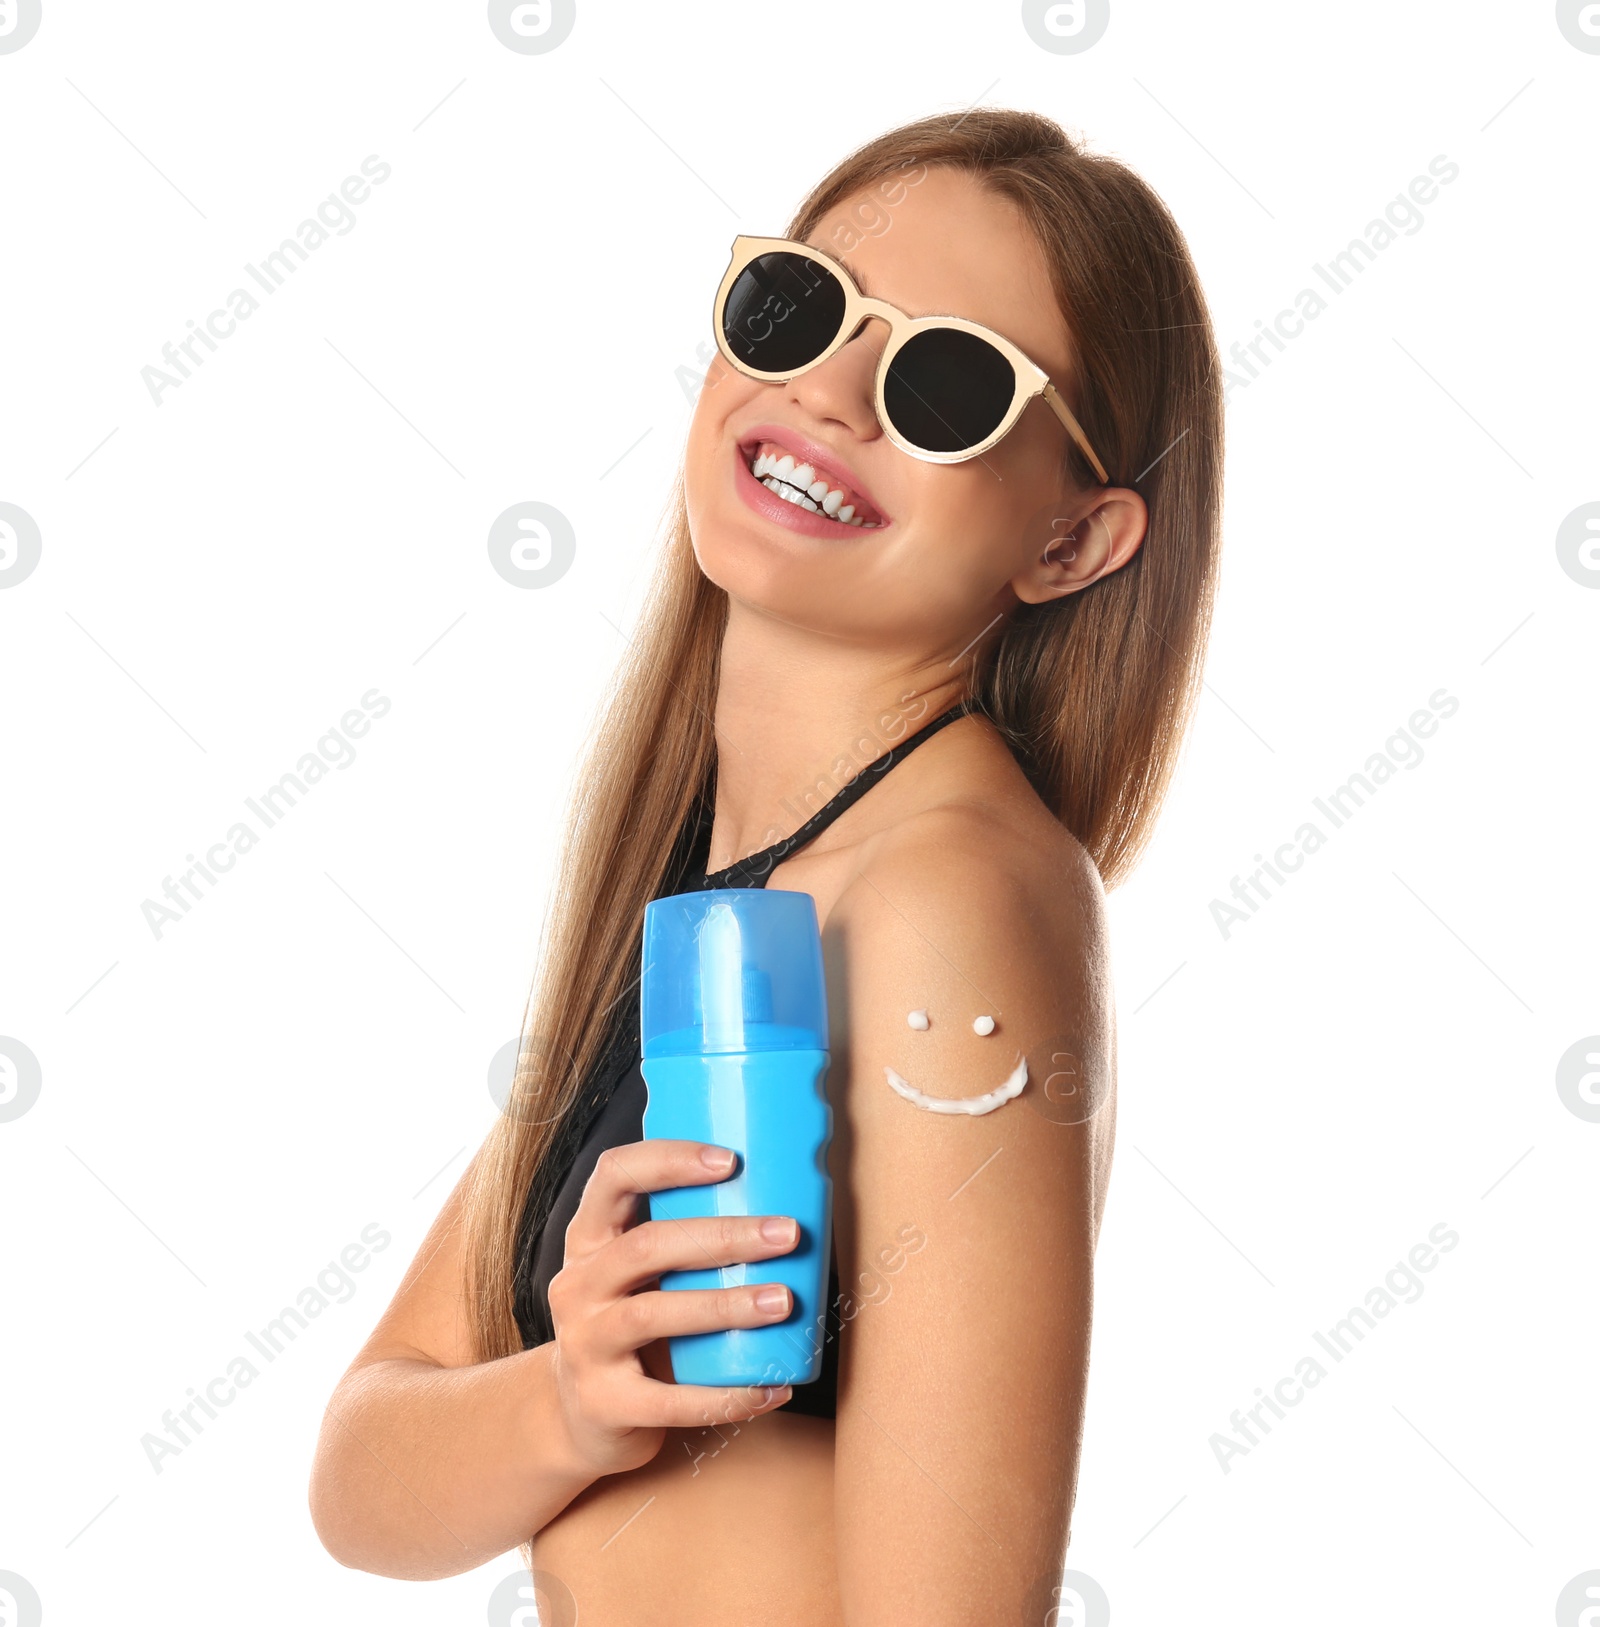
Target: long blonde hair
(1092, 691)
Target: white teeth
(799, 484)
(790, 495)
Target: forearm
(425, 1471)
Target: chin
(763, 574)
(757, 560)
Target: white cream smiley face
(986, 1103)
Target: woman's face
(959, 543)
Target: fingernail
(716, 1157)
(779, 1229)
(778, 1391)
(773, 1298)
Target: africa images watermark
(274, 270)
(334, 1285)
(334, 750)
(1403, 749)
(1401, 216)
(1343, 1337)
(871, 1287)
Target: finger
(609, 1204)
(636, 1320)
(699, 1243)
(692, 1406)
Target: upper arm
(965, 1241)
(427, 1318)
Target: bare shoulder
(996, 889)
(978, 911)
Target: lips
(826, 467)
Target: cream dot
(917, 1020)
(983, 1025)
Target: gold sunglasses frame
(1031, 379)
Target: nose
(841, 388)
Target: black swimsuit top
(609, 1110)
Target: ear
(1090, 534)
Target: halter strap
(754, 870)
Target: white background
(223, 1109)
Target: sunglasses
(946, 389)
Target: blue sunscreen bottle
(733, 1042)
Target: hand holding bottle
(605, 1307)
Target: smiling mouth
(797, 482)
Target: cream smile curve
(986, 1103)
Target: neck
(798, 714)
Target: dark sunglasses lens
(782, 312)
(947, 390)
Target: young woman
(923, 645)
